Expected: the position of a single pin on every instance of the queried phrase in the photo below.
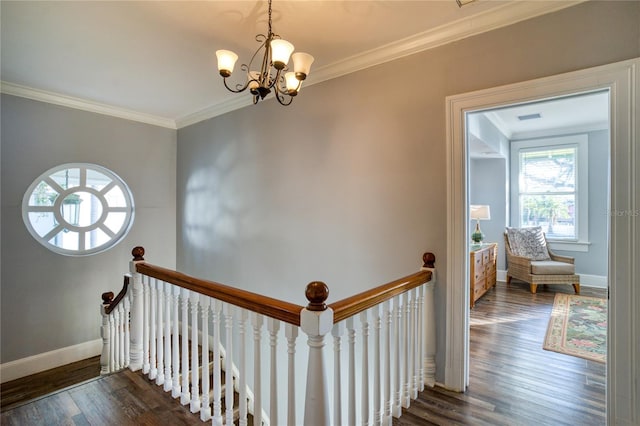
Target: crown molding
(83, 104)
(492, 19)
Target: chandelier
(273, 74)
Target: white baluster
(118, 338)
(114, 340)
(291, 334)
(388, 397)
(185, 397)
(273, 326)
(127, 330)
(205, 409)
(406, 349)
(415, 368)
(153, 305)
(243, 315)
(146, 296)
(194, 406)
(227, 311)
(256, 322)
(168, 379)
(175, 341)
(429, 331)
(160, 331)
(397, 375)
(337, 331)
(377, 370)
(351, 333)
(216, 307)
(364, 320)
(121, 327)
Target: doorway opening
(543, 163)
(621, 80)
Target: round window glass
(78, 209)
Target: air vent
(529, 117)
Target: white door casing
(623, 366)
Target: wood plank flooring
(513, 381)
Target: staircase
(390, 330)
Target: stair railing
(185, 333)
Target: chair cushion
(528, 242)
(551, 267)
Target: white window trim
(581, 244)
(116, 181)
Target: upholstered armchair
(529, 259)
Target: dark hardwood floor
(513, 381)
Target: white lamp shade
(281, 50)
(480, 212)
(293, 84)
(226, 60)
(302, 63)
(253, 77)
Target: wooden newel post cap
(429, 260)
(317, 293)
(138, 253)
(107, 298)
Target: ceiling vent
(529, 117)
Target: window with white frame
(78, 209)
(549, 186)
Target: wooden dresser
(482, 266)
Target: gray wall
(348, 185)
(50, 301)
(595, 261)
(488, 184)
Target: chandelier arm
(282, 99)
(239, 88)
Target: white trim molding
(35, 364)
(623, 366)
(84, 105)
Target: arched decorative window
(78, 209)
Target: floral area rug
(578, 327)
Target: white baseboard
(596, 281)
(34, 364)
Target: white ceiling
(154, 61)
(577, 113)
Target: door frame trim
(623, 371)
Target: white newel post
(316, 320)
(429, 324)
(137, 312)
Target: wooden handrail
(353, 305)
(316, 292)
(108, 302)
(274, 308)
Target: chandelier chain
(270, 32)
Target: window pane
(67, 178)
(554, 213)
(548, 170)
(43, 195)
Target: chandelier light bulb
(292, 82)
(280, 52)
(226, 61)
(302, 64)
